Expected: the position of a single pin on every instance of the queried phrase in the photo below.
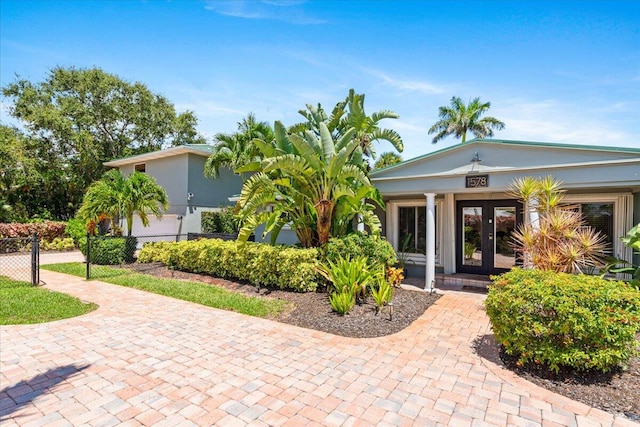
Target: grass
(22, 303)
(199, 293)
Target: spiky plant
(554, 235)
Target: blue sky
(554, 71)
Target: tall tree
(237, 149)
(348, 114)
(460, 118)
(84, 117)
(387, 159)
(122, 197)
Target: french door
(483, 235)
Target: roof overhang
(160, 154)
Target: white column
(430, 268)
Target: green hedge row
(107, 250)
(557, 319)
(259, 263)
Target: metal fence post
(35, 260)
(88, 275)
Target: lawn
(199, 293)
(23, 304)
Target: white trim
(145, 157)
(392, 224)
(512, 169)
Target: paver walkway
(144, 359)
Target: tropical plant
(351, 274)
(237, 149)
(387, 159)
(460, 118)
(631, 240)
(348, 114)
(382, 293)
(300, 181)
(120, 197)
(554, 235)
(342, 302)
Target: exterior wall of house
(591, 177)
(208, 192)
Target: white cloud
(555, 121)
(407, 85)
(278, 10)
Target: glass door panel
(472, 236)
(504, 219)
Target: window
(412, 231)
(140, 167)
(599, 216)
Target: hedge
(564, 320)
(354, 245)
(108, 250)
(46, 230)
(258, 263)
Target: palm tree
(459, 118)
(348, 114)
(237, 149)
(119, 196)
(387, 159)
(301, 181)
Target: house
(451, 210)
(180, 171)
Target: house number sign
(477, 181)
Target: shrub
(259, 263)
(46, 230)
(382, 293)
(76, 229)
(155, 252)
(376, 249)
(558, 319)
(219, 222)
(395, 275)
(353, 275)
(58, 244)
(110, 250)
(342, 302)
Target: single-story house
(451, 211)
(180, 171)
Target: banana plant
(300, 181)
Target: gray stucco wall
(208, 192)
(171, 174)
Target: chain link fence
(20, 259)
(102, 253)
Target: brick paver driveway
(143, 359)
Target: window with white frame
(609, 213)
(407, 228)
(599, 216)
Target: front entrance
(483, 235)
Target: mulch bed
(616, 392)
(312, 310)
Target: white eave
(160, 154)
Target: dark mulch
(312, 310)
(616, 392)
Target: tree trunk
(324, 212)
